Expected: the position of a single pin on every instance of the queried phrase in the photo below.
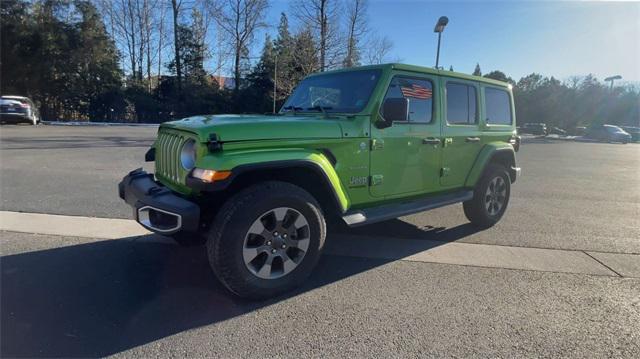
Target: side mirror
(394, 109)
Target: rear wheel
(266, 240)
(490, 199)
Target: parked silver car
(18, 109)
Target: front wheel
(266, 240)
(490, 198)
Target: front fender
(489, 153)
(239, 162)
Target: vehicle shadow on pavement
(102, 298)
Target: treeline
(578, 101)
(157, 60)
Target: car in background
(633, 131)
(539, 129)
(18, 109)
(608, 133)
(578, 131)
(557, 131)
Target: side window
(418, 92)
(497, 106)
(461, 104)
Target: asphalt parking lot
(380, 291)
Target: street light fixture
(611, 79)
(440, 25)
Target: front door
(461, 131)
(405, 158)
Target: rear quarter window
(497, 106)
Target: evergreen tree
(500, 76)
(283, 48)
(305, 57)
(258, 96)
(191, 56)
(477, 71)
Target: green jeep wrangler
(350, 147)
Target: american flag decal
(416, 91)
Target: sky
(553, 38)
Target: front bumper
(156, 207)
(517, 173)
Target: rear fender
(500, 152)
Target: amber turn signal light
(210, 176)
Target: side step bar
(382, 213)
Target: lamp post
(611, 79)
(442, 22)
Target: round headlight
(188, 155)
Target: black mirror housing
(394, 110)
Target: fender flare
(486, 156)
(315, 161)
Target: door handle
(430, 141)
(472, 139)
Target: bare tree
(175, 6)
(240, 19)
(161, 36)
(378, 49)
(323, 17)
(357, 28)
(221, 54)
(137, 29)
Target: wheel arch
(306, 174)
(312, 170)
(502, 154)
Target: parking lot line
(468, 254)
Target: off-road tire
(226, 238)
(476, 209)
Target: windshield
(345, 92)
(614, 129)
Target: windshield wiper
(292, 109)
(322, 109)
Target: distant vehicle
(608, 133)
(579, 131)
(633, 131)
(558, 131)
(18, 109)
(535, 129)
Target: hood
(230, 128)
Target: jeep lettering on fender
(361, 145)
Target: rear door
(461, 131)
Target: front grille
(168, 147)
